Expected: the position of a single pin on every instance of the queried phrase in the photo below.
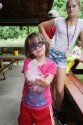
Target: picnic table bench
(4, 69)
(11, 59)
(74, 89)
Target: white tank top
(60, 41)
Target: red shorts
(29, 116)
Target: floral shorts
(58, 57)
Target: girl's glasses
(35, 45)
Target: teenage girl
(67, 31)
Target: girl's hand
(46, 75)
(29, 82)
(40, 82)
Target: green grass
(80, 66)
(80, 77)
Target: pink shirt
(40, 99)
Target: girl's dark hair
(77, 1)
(31, 38)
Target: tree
(60, 7)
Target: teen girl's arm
(44, 25)
(46, 81)
(80, 57)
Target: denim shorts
(58, 57)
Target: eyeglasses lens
(39, 44)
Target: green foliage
(6, 32)
(22, 31)
(33, 29)
(60, 6)
(16, 31)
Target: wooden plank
(3, 69)
(77, 71)
(77, 82)
(12, 57)
(74, 92)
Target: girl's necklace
(69, 52)
(68, 33)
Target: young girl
(67, 31)
(39, 72)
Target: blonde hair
(77, 1)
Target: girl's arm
(44, 25)
(81, 38)
(26, 78)
(46, 81)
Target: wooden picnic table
(11, 59)
(74, 68)
(74, 89)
